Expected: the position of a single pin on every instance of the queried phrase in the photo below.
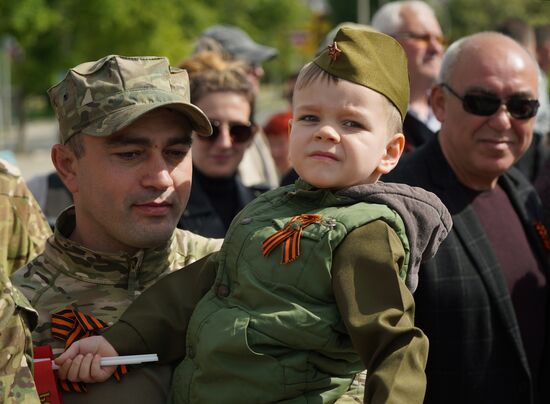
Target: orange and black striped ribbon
(70, 325)
(289, 236)
(543, 234)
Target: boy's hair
(311, 72)
(209, 73)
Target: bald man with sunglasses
(483, 299)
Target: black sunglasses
(487, 104)
(239, 132)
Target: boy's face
(339, 135)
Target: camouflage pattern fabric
(23, 234)
(16, 316)
(99, 98)
(356, 390)
(23, 227)
(104, 285)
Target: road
(40, 136)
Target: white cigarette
(116, 360)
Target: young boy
(310, 285)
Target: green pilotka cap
(99, 98)
(369, 58)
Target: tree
(57, 34)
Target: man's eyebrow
(480, 90)
(127, 139)
(184, 139)
(123, 140)
(523, 94)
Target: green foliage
(57, 34)
(460, 17)
(464, 17)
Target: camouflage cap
(371, 59)
(99, 98)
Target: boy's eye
(309, 118)
(353, 124)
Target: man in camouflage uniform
(125, 124)
(23, 234)
(23, 228)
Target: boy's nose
(328, 133)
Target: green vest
(267, 331)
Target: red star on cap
(333, 51)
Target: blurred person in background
(23, 228)
(232, 43)
(23, 235)
(415, 26)
(542, 34)
(535, 157)
(223, 91)
(277, 130)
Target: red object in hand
(44, 377)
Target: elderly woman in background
(222, 90)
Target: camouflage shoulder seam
(8, 168)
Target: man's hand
(80, 363)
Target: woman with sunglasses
(222, 90)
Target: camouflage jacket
(16, 319)
(23, 228)
(104, 285)
(23, 233)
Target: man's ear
(437, 102)
(394, 149)
(65, 162)
(289, 126)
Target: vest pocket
(224, 368)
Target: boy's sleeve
(378, 312)
(156, 322)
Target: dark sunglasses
(239, 132)
(487, 104)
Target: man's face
(421, 38)
(341, 138)
(130, 188)
(481, 148)
(219, 156)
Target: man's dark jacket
(416, 132)
(201, 217)
(462, 301)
